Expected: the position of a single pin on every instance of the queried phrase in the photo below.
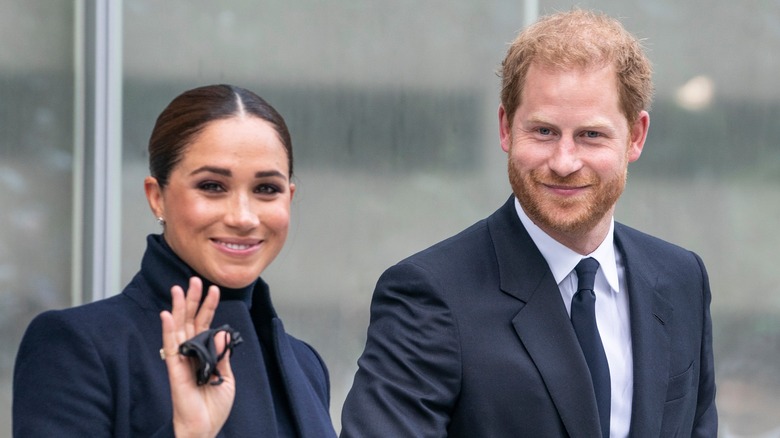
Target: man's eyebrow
(595, 124)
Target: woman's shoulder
(74, 365)
(102, 324)
(109, 311)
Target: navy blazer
(95, 370)
(471, 338)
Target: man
(486, 334)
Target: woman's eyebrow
(212, 169)
(267, 173)
(226, 172)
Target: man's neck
(583, 241)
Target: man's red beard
(574, 216)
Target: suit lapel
(650, 312)
(542, 324)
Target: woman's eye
(267, 189)
(210, 187)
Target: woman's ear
(154, 196)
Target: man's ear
(638, 136)
(504, 129)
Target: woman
(220, 159)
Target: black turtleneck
(164, 269)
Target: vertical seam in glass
(106, 243)
(77, 237)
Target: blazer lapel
(249, 370)
(650, 312)
(542, 324)
(309, 413)
(305, 405)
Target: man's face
(569, 146)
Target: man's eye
(592, 134)
(545, 131)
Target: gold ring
(163, 355)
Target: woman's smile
(238, 247)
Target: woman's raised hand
(198, 411)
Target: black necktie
(583, 318)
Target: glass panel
(36, 161)
(393, 117)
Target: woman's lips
(237, 246)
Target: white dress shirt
(612, 316)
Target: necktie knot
(586, 273)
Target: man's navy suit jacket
(470, 338)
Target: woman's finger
(178, 309)
(207, 310)
(194, 293)
(170, 340)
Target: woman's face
(227, 203)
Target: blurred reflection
(36, 144)
(35, 243)
(749, 377)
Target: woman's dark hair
(189, 113)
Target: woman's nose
(241, 213)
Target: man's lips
(560, 187)
(565, 189)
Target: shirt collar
(562, 260)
